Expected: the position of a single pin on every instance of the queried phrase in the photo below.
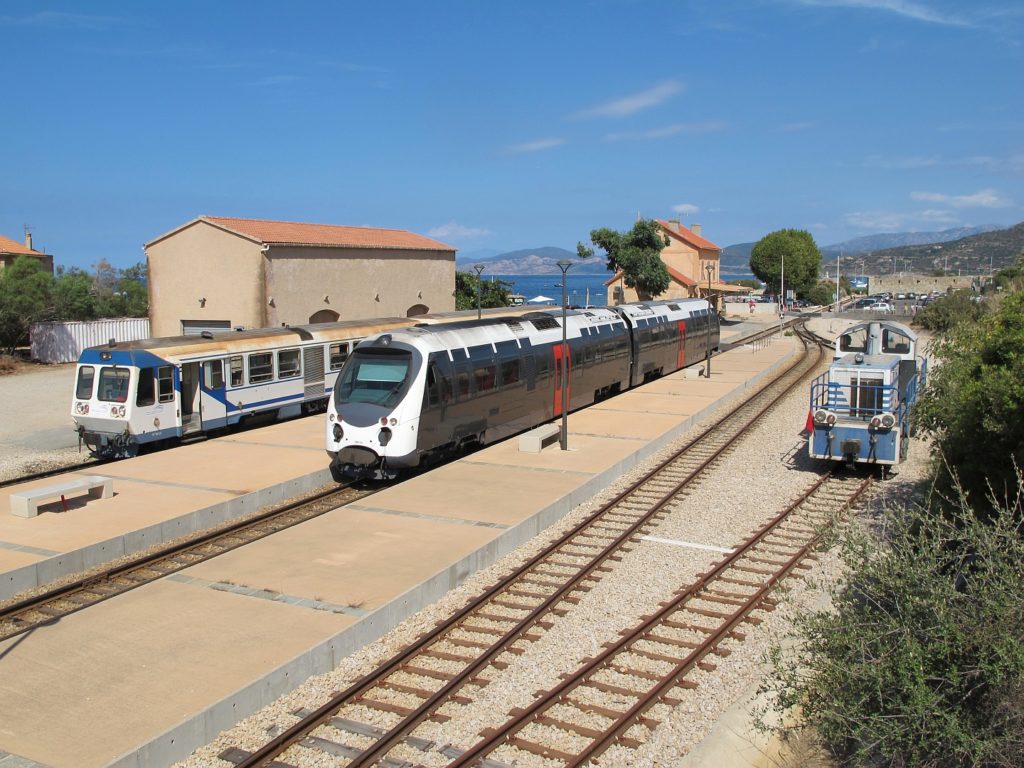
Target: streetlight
(707, 354)
(782, 290)
(478, 268)
(564, 265)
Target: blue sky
(507, 125)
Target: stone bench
(538, 437)
(26, 503)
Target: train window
(86, 376)
(485, 378)
(431, 397)
(288, 366)
(146, 394)
(213, 374)
(510, 372)
(338, 354)
(113, 385)
(237, 371)
(261, 367)
(462, 384)
(165, 383)
(375, 378)
(866, 397)
(895, 343)
(854, 342)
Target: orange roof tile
(326, 235)
(687, 236)
(13, 246)
(675, 274)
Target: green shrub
(921, 660)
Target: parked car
(881, 306)
(864, 303)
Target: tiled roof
(675, 274)
(680, 232)
(13, 246)
(326, 235)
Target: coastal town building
(10, 250)
(693, 264)
(219, 273)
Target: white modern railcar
(412, 396)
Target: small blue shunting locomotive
(860, 410)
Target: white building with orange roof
(12, 249)
(693, 264)
(219, 273)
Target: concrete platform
(162, 670)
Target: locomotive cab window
(895, 343)
(86, 376)
(113, 386)
(377, 377)
(854, 342)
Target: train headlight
(823, 417)
(888, 420)
(338, 432)
(392, 421)
(384, 436)
(876, 423)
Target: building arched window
(416, 310)
(324, 316)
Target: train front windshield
(375, 376)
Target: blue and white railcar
(415, 395)
(138, 394)
(860, 409)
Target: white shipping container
(64, 342)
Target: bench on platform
(538, 437)
(26, 503)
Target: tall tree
(791, 249)
(72, 295)
(25, 296)
(637, 253)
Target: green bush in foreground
(921, 660)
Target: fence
(64, 342)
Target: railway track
(85, 465)
(445, 665)
(50, 605)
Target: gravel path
(753, 482)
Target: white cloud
(629, 105)
(454, 231)
(708, 126)
(686, 208)
(906, 8)
(985, 198)
(535, 146)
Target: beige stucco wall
(286, 285)
(356, 283)
(686, 260)
(204, 262)
(901, 283)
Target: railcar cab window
(375, 376)
(113, 384)
(145, 393)
(165, 383)
(86, 376)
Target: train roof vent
(540, 323)
(674, 307)
(206, 334)
(514, 325)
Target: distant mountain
(736, 258)
(869, 243)
(975, 254)
(475, 257)
(532, 261)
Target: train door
(560, 353)
(191, 420)
(213, 405)
(681, 353)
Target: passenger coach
(412, 396)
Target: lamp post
(478, 268)
(564, 265)
(782, 290)
(707, 355)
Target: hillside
(970, 255)
(533, 261)
(869, 243)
